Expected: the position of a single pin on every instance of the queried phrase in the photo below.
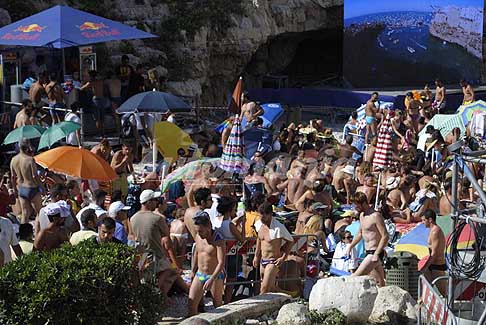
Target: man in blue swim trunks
(370, 118)
(27, 185)
(207, 271)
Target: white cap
(348, 170)
(149, 195)
(116, 207)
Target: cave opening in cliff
(298, 60)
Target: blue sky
(354, 8)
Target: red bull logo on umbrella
(96, 30)
(30, 28)
(92, 26)
(28, 33)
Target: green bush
(83, 284)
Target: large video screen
(390, 43)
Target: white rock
(393, 303)
(353, 296)
(293, 314)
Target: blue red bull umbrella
(63, 26)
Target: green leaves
(83, 284)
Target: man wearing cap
(315, 224)
(372, 230)
(88, 223)
(98, 204)
(54, 235)
(118, 211)
(149, 229)
(345, 220)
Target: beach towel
(277, 230)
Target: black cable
(459, 266)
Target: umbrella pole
(63, 63)
(154, 148)
(378, 191)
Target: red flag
(235, 104)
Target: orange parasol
(235, 104)
(76, 162)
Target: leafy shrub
(330, 317)
(83, 284)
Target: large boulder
(353, 296)
(293, 314)
(395, 305)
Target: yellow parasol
(170, 138)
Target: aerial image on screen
(410, 43)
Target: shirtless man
(343, 182)
(202, 181)
(304, 216)
(23, 116)
(207, 271)
(55, 96)
(395, 198)
(102, 149)
(445, 207)
(468, 92)
(203, 200)
(439, 103)
(27, 185)
(372, 230)
(368, 187)
(270, 252)
(250, 110)
(412, 107)
(37, 91)
(346, 150)
(54, 235)
(122, 163)
(370, 150)
(113, 86)
(317, 194)
(370, 111)
(295, 185)
(435, 266)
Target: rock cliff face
(204, 60)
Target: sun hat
(392, 183)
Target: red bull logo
(97, 30)
(91, 26)
(30, 28)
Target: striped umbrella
(467, 111)
(232, 159)
(383, 154)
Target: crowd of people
(311, 201)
